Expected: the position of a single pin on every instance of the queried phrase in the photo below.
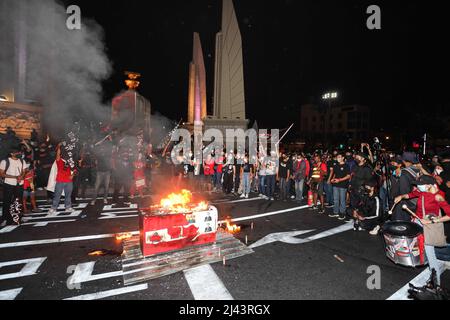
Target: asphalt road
(277, 270)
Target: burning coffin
(176, 224)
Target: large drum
(402, 245)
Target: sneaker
(292, 197)
(242, 196)
(374, 232)
(261, 195)
(105, 201)
(272, 199)
(313, 208)
(321, 211)
(70, 210)
(333, 215)
(329, 206)
(246, 196)
(52, 211)
(37, 210)
(341, 218)
(357, 228)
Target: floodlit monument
(229, 93)
(197, 85)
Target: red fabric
(63, 175)
(208, 168)
(308, 167)
(432, 206)
(28, 179)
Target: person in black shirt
(228, 174)
(409, 174)
(103, 155)
(361, 174)
(237, 174)
(339, 179)
(283, 176)
(328, 186)
(368, 214)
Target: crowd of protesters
(31, 165)
(354, 184)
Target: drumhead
(402, 229)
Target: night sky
(293, 52)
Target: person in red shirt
(430, 200)
(139, 177)
(319, 171)
(29, 192)
(64, 182)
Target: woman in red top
(430, 202)
(139, 177)
(64, 182)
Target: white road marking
(110, 208)
(205, 284)
(8, 229)
(288, 237)
(237, 201)
(59, 240)
(119, 217)
(30, 268)
(419, 281)
(10, 294)
(45, 223)
(83, 273)
(110, 293)
(56, 215)
(256, 216)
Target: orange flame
(96, 253)
(123, 236)
(232, 228)
(181, 203)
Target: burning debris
(104, 252)
(123, 236)
(178, 203)
(176, 223)
(230, 227)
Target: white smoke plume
(64, 68)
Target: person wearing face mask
(367, 215)
(430, 200)
(13, 171)
(299, 176)
(283, 177)
(360, 175)
(409, 174)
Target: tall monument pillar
(229, 90)
(197, 85)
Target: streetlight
(329, 96)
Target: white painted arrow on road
(290, 237)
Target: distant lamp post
(327, 97)
(3, 99)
